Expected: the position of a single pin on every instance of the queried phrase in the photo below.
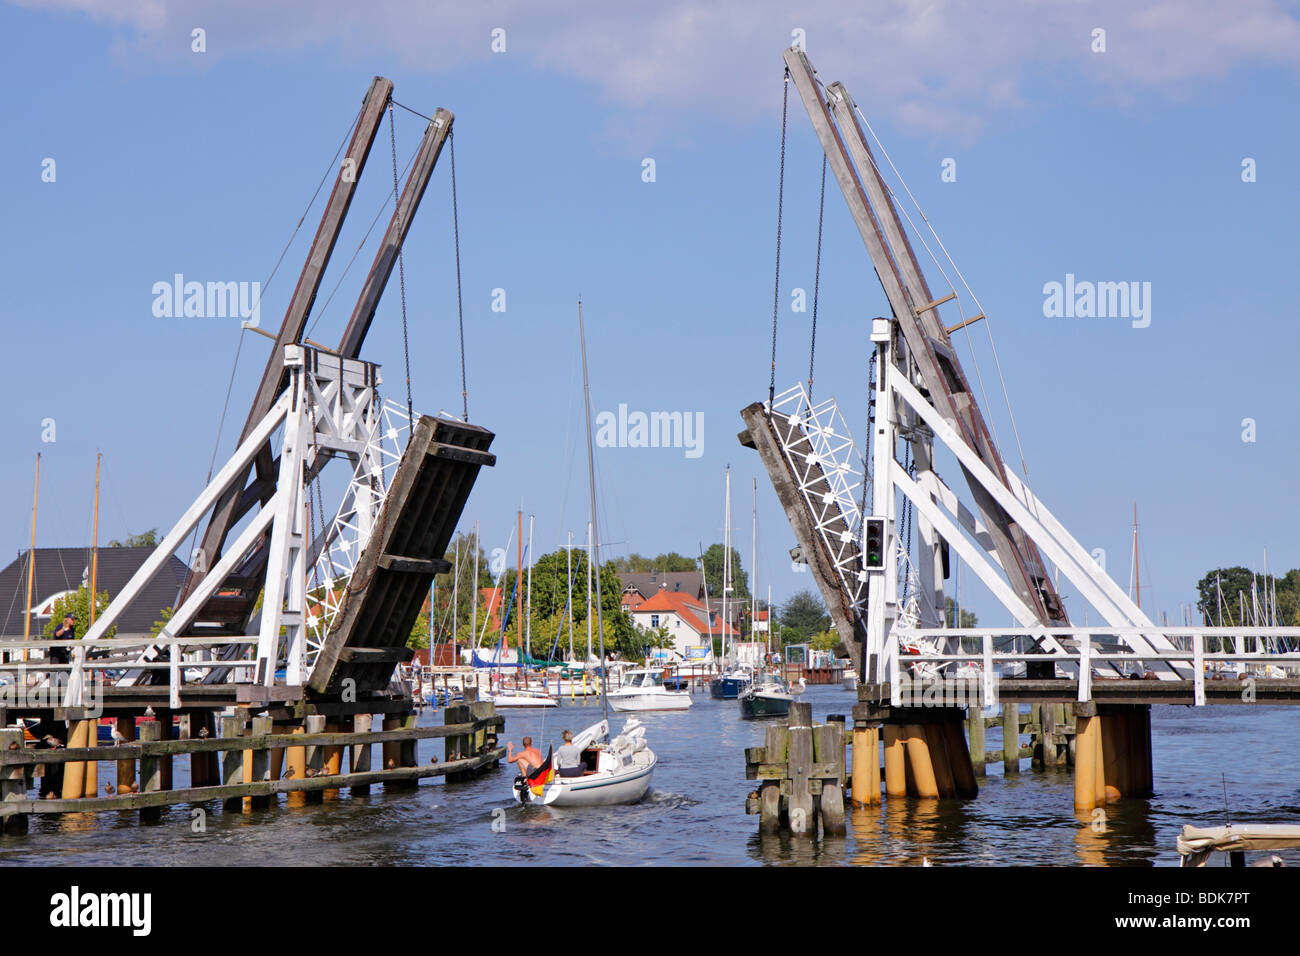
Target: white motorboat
(614, 773)
(521, 698)
(643, 689)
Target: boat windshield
(654, 680)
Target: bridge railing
(1248, 651)
(73, 679)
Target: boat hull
(642, 703)
(726, 688)
(512, 700)
(758, 706)
(605, 789)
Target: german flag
(543, 775)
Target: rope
(780, 202)
(401, 263)
(997, 362)
(460, 310)
(817, 279)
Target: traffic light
(873, 558)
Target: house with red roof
(688, 622)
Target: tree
(825, 640)
(159, 624)
(967, 617)
(668, 562)
(714, 558)
(146, 539)
(1234, 581)
(804, 614)
(77, 603)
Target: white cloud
(935, 65)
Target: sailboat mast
(1137, 571)
(588, 590)
(519, 584)
(595, 536)
(455, 602)
(753, 569)
(726, 567)
(31, 561)
(473, 622)
(568, 580)
(531, 561)
(94, 542)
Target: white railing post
(990, 696)
(1085, 668)
(895, 673)
(1198, 669)
(174, 674)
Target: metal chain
(401, 263)
(817, 279)
(460, 312)
(780, 202)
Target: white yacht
(643, 689)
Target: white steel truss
(334, 553)
(330, 408)
(827, 466)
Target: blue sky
(1115, 166)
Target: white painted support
(1085, 668)
(1198, 669)
(990, 689)
(174, 678)
(1082, 577)
(895, 678)
(244, 455)
(974, 558)
(948, 499)
(1052, 525)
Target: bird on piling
(117, 736)
(203, 733)
(289, 775)
(54, 742)
(108, 789)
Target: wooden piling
(297, 757)
(1010, 738)
(800, 803)
(960, 760)
(828, 758)
(232, 761)
(74, 772)
(150, 771)
(359, 754)
(315, 756)
(1099, 744)
(939, 761)
(975, 728)
(1115, 756)
(13, 781)
(866, 766)
(1085, 763)
(769, 807)
(260, 765)
(166, 731)
(918, 761)
(333, 758)
(126, 768)
(895, 761)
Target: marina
(694, 813)
(614, 466)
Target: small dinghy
(614, 772)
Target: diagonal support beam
(234, 503)
(435, 134)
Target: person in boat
(568, 759)
(528, 759)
